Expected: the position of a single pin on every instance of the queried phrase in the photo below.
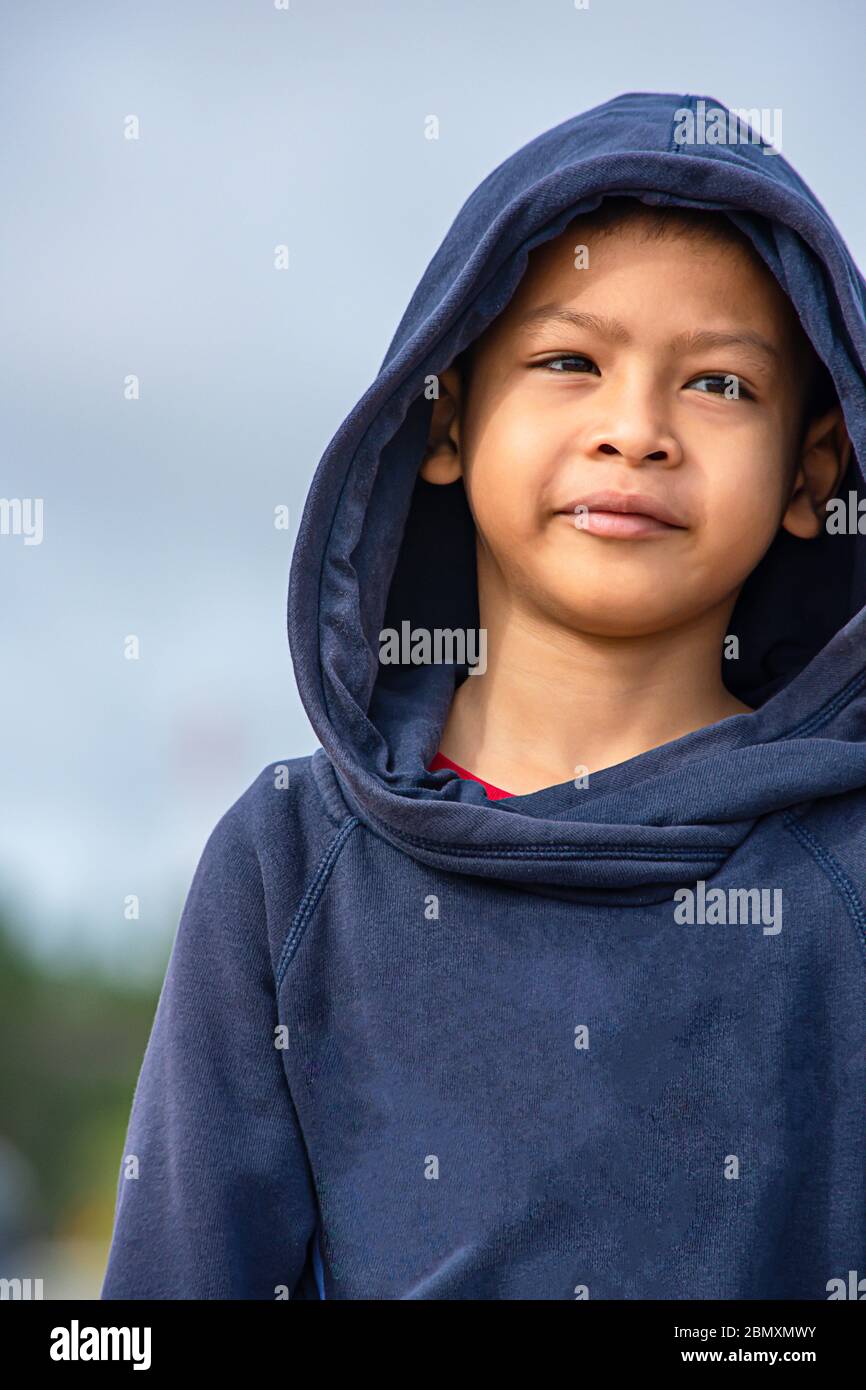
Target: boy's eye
(570, 362)
(713, 383)
(722, 384)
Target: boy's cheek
(507, 486)
(743, 512)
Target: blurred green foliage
(72, 1041)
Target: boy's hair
(701, 224)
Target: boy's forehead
(719, 268)
(567, 261)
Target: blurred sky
(258, 126)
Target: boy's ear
(824, 456)
(442, 462)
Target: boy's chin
(599, 610)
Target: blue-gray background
(259, 126)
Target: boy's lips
(626, 515)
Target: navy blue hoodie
(416, 1044)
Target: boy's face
(622, 378)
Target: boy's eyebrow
(694, 341)
(595, 323)
(743, 338)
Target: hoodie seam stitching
(688, 102)
(310, 900)
(562, 849)
(834, 872)
(570, 852)
(834, 706)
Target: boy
(621, 636)
(544, 979)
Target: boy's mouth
(622, 515)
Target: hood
(377, 546)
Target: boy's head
(662, 364)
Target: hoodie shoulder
(285, 792)
(267, 846)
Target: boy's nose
(632, 454)
(635, 430)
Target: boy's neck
(553, 701)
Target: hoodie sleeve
(215, 1196)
